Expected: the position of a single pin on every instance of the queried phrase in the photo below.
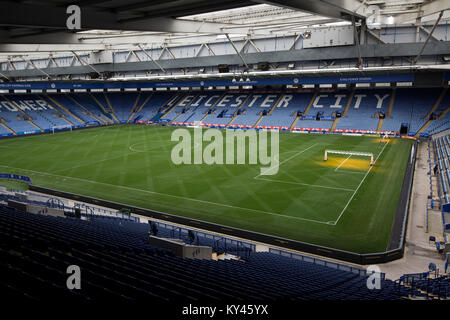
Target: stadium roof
(36, 29)
(110, 23)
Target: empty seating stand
(118, 263)
(442, 150)
(244, 109)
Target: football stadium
(206, 155)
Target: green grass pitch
(340, 203)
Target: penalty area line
(291, 157)
(306, 184)
(342, 163)
(360, 184)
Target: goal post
(63, 127)
(350, 153)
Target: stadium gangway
(322, 262)
(116, 214)
(252, 246)
(217, 242)
(58, 204)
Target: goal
(350, 153)
(63, 127)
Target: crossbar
(351, 153)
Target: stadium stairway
(432, 110)
(308, 107)
(389, 111)
(226, 110)
(444, 113)
(103, 107)
(391, 103)
(122, 103)
(187, 106)
(344, 114)
(437, 103)
(423, 128)
(237, 110)
(168, 110)
(61, 114)
(270, 111)
(411, 106)
(8, 128)
(24, 113)
(305, 112)
(133, 108)
(294, 122)
(153, 103)
(349, 102)
(111, 108)
(380, 124)
(212, 106)
(87, 111)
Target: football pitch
(342, 203)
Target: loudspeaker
(381, 115)
(263, 66)
(78, 213)
(338, 115)
(223, 68)
(94, 75)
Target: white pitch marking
(306, 184)
(280, 163)
(364, 178)
(342, 163)
(167, 195)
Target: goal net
(349, 153)
(63, 127)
